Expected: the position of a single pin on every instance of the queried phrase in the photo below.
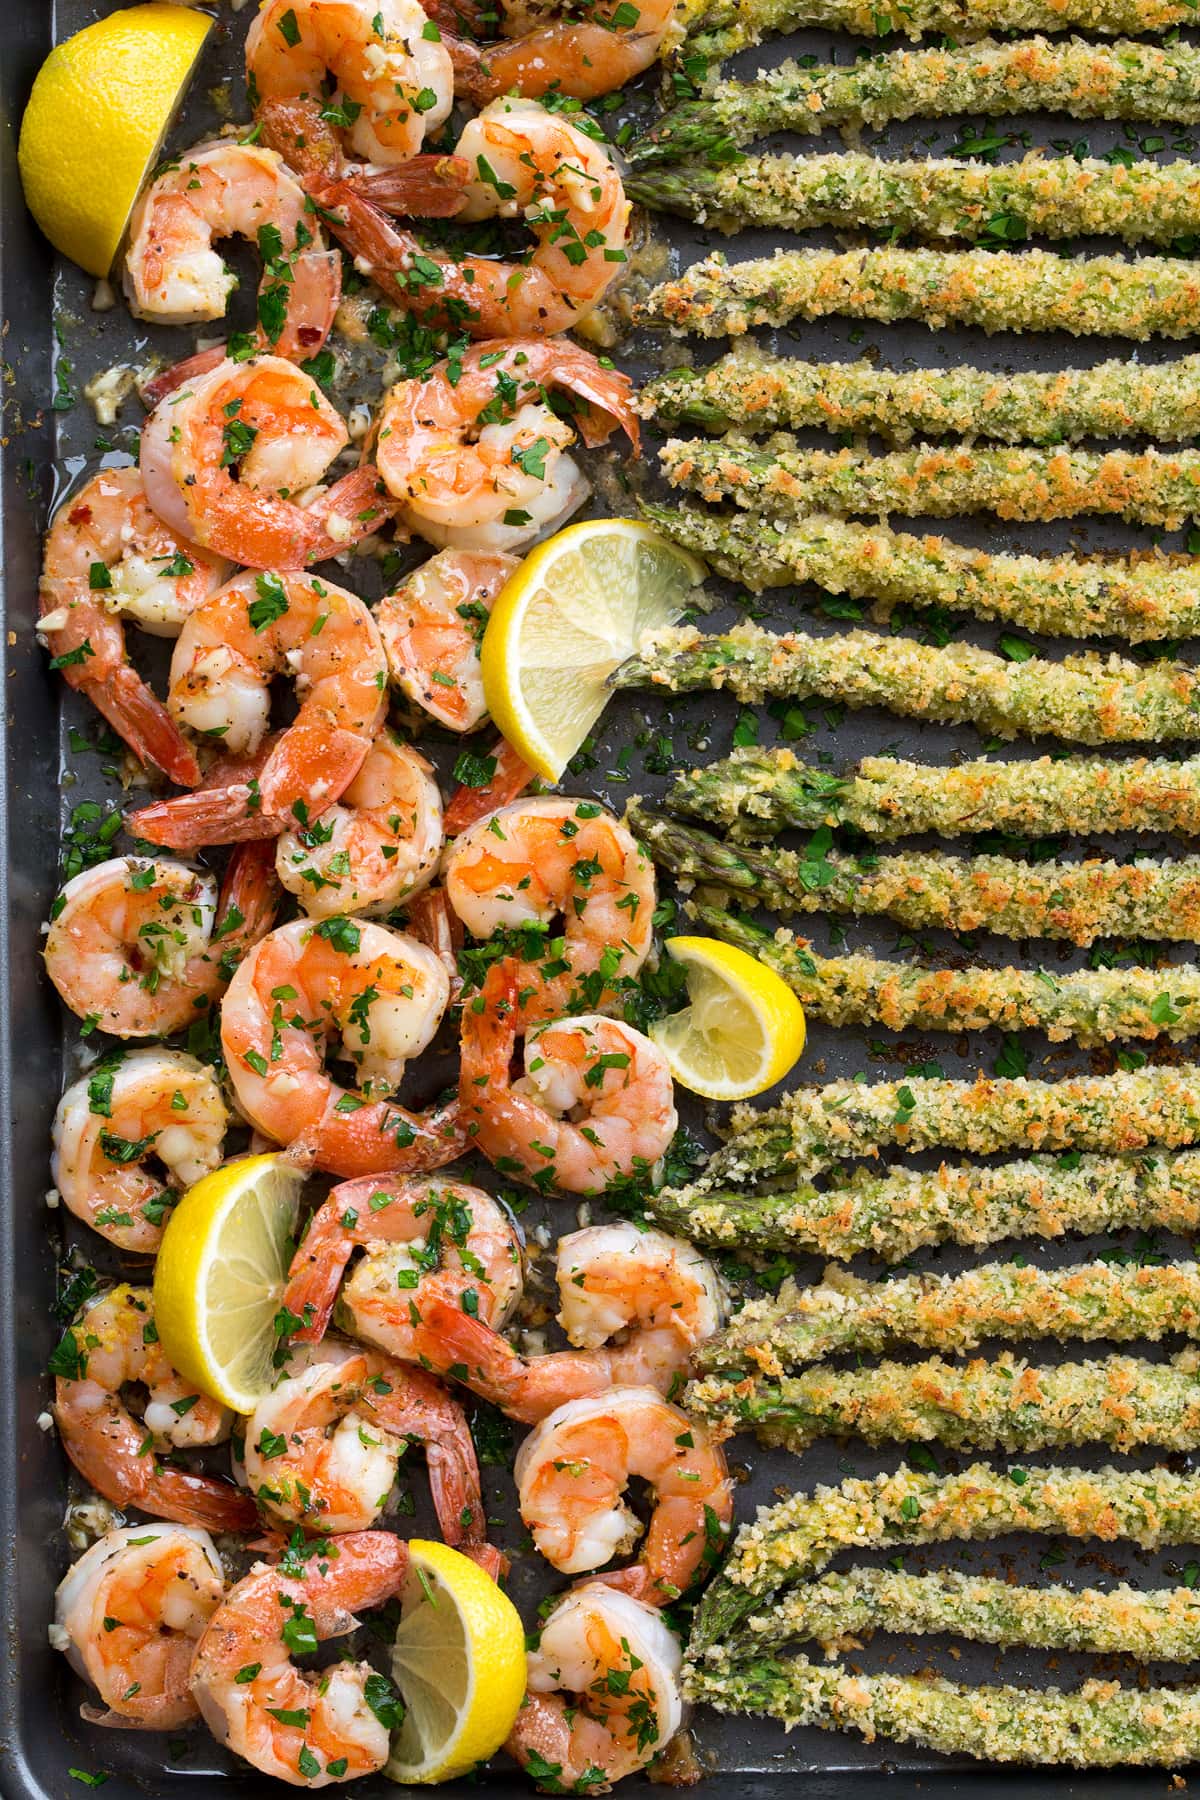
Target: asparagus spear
(1076, 901)
(1160, 1626)
(997, 290)
(902, 1210)
(1145, 487)
(1096, 1726)
(1086, 699)
(813, 1127)
(1138, 597)
(759, 392)
(988, 79)
(718, 28)
(759, 791)
(1092, 1006)
(793, 1541)
(955, 1312)
(934, 197)
(1004, 1403)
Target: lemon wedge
(742, 1029)
(220, 1276)
(570, 615)
(101, 105)
(459, 1662)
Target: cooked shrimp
(224, 189)
(474, 452)
(653, 1294)
(323, 1447)
(255, 628)
(509, 778)
(584, 57)
(570, 871)
(603, 1692)
(224, 456)
(113, 1344)
(382, 995)
(143, 948)
(431, 186)
(128, 1615)
(377, 847)
(314, 1727)
(421, 1238)
(432, 626)
(573, 1468)
(132, 1110)
(528, 164)
(595, 1105)
(392, 78)
(108, 557)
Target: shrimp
(573, 1468)
(224, 456)
(257, 627)
(421, 1238)
(474, 453)
(143, 948)
(432, 626)
(604, 1695)
(225, 189)
(133, 1109)
(392, 78)
(508, 778)
(529, 164)
(654, 1294)
(305, 1728)
(431, 186)
(113, 1344)
(596, 1103)
(323, 1447)
(109, 557)
(377, 847)
(383, 994)
(584, 57)
(551, 866)
(128, 1615)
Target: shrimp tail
(490, 1557)
(351, 510)
(167, 381)
(199, 1500)
(607, 393)
(314, 295)
(144, 722)
(250, 895)
(224, 815)
(525, 1388)
(392, 1141)
(432, 921)
(425, 187)
(509, 781)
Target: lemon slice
(101, 105)
(220, 1276)
(742, 1029)
(571, 614)
(459, 1662)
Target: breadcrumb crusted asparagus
(1085, 699)
(759, 791)
(1096, 1726)
(1160, 1626)
(813, 1126)
(997, 290)
(953, 1313)
(1146, 487)
(1002, 1403)
(933, 197)
(795, 1540)
(718, 28)
(1143, 596)
(902, 1210)
(758, 392)
(1076, 901)
(988, 79)
(1092, 1006)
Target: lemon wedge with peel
(220, 1275)
(742, 1029)
(459, 1662)
(570, 615)
(101, 105)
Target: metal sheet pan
(46, 307)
